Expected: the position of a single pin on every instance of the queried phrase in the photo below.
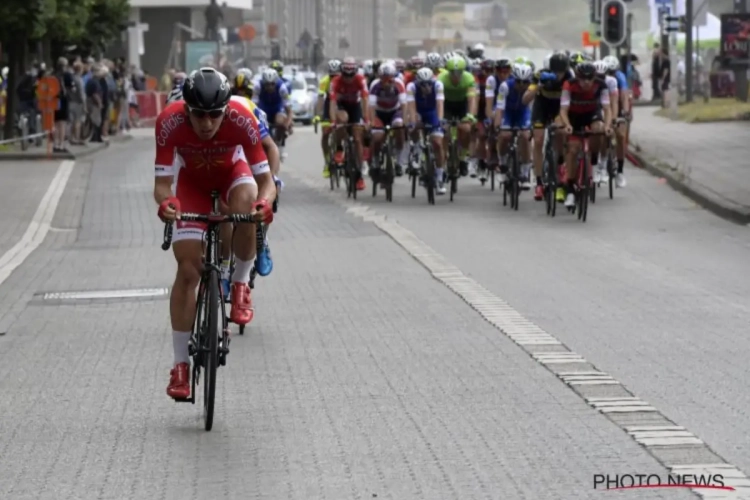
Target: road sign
(595, 11)
(587, 40)
(305, 39)
(247, 32)
(674, 24)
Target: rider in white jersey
(600, 175)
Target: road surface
(363, 375)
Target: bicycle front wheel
(210, 344)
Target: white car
(303, 94)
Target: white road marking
(107, 294)
(529, 336)
(40, 223)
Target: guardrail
(150, 104)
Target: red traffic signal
(614, 23)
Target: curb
(700, 195)
(93, 148)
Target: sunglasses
(211, 113)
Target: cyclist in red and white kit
(348, 95)
(208, 142)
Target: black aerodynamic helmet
(206, 89)
(559, 62)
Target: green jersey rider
(461, 102)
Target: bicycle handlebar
(211, 219)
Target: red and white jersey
(387, 97)
(178, 146)
(348, 91)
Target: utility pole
(740, 67)
(689, 69)
(673, 94)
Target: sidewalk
(706, 162)
(40, 153)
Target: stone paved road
(22, 188)
(362, 375)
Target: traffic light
(614, 22)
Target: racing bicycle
(385, 176)
(584, 183)
(209, 340)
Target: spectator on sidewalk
(94, 102)
(26, 93)
(62, 114)
(665, 79)
(77, 98)
(656, 65)
(109, 95)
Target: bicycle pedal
(191, 399)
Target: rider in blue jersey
(613, 69)
(279, 67)
(272, 97)
(425, 98)
(511, 112)
(176, 93)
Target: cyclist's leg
(579, 123)
(240, 192)
(279, 124)
(187, 245)
(621, 131)
(225, 234)
(438, 147)
(378, 137)
(399, 138)
(464, 138)
(538, 123)
(324, 139)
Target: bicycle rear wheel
(583, 201)
(453, 169)
(210, 346)
(611, 173)
(389, 172)
(515, 186)
(429, 176)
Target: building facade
(357, 28)
(160, 29)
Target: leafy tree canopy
(90, 24)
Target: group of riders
(487, 98)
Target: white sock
(180, 341)
(224, 269)
(242, 270)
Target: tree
(20, 21)
(88, 24)
(107, 19)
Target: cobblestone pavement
(362, 376)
